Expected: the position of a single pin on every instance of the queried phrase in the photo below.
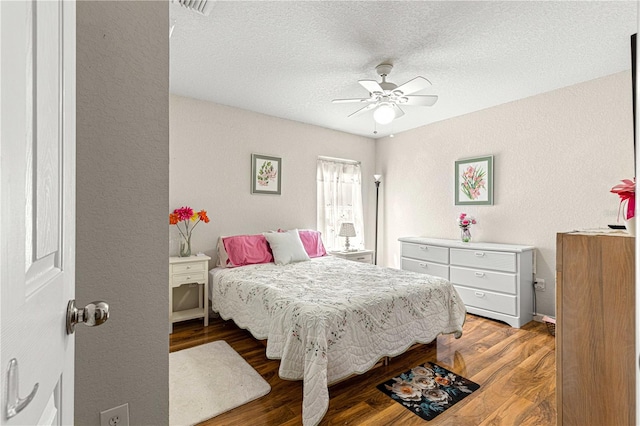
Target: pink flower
(626, 191)
(469, 172)
(184, 213)
(465, 221)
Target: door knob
(95, 313)
(14, 403)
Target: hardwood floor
(514, 367)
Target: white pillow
(222, 253)
(286, 247)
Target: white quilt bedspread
(328, 318)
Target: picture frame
(266, 174)
(474, 181)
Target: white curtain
(339, 200)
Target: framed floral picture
(266, 173)
(474, 181)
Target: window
(339, 200)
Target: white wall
(210, 168)
(122, 198)
(557, 155)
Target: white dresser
(493, 280)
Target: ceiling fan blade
(371, 85)
(414, 85)
(342, 101)
(361, 110)
(421, 100)
(398, 110)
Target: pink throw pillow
(247, 250)
(312, 242)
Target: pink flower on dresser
(465, 221)
(626, 191)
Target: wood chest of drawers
(595, 329)
(493, 280)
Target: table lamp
(347, 230)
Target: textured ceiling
(289, 59)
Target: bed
(328, 318)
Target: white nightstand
(364, 256)
(189, 270)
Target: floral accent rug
(428, 390)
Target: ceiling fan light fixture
(384, 114)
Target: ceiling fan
(385, 97)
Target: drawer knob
(424, 248)
(188, 267)
(479, 254)
(423, 265)
(188, 278)
(479, 294)
(479, 274)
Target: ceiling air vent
(203, 7)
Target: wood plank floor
(515, 368)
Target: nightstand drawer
(191, 277)
(183, 268)
(498, 261)
(435, 269)
(362, 256)
(488, 300)
(484, 280)
(425, 252)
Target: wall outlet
(116, 416)
(539, 284)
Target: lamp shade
(347, 230)
(384, 114)
(376, 178)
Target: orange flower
(202, 214)
(173, 219)
(444, 381)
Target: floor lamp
(377, 182)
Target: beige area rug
(208, 380)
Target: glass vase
(185, 246)
(465, 234)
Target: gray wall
(122, 199)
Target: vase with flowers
(189, 219)
(464, 222)
(627, 193)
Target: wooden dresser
(595, 334)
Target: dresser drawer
(501, 303)
(183, 268)
(435, 269)
(188, 278)
(498, 261)
(425, 252)
(484, 280)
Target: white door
(37, 208)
